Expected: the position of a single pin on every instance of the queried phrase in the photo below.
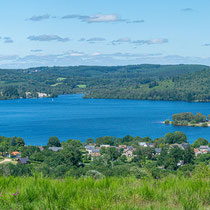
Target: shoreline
(189, 125)
(56, 96)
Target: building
(15, 154)
(142, 144)
(55, 149)
(201, 150)
(23, 160)
(42, 95)
(95, 153)
(105, 145)
(89, 148)
(158, 151)
(122, 146)
(128, 153)
(182, 146)
(130, 148)
(204, 149)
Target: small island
(189, 119)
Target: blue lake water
(71, 117)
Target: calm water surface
(70, 116)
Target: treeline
(159, 158)
(144, 82)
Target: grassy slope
(108, 193)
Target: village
(94, 151)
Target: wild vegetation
(143, 82)
(189, 119)
(173, 192)
(164, 173)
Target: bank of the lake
(71, 116)
(207, 124)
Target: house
(23, 160)
(130, 148)
(142, 144)
(15, 154)
(158, 151)
(95, 153)
(105, 145)
(204, 149)
(42, 95)
(197, 152)
(55, 149)
(150, 144)
(122, 146)
(128, 153)
(182, 146)
(89, 148)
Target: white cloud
(47, 38)
(98, 18)
(39, 17)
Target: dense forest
(143, 82)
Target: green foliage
(53, 142)
(176, 137)
(204, 125)
(167, 122)
(106, 193)
(183, 119)
(199, 142)
(144, 82)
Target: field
(108, 193)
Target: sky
(103, 32)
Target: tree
(189, 155)
(169, 138)
(105, 140)
(176, 153)
(13, 142)
(180, 137)
(200, 117)
(163, 156)
(199, 142)
(167, 122)
(177, 137)
(53, 142)
(20, 142)
(89, 141)
(73, 143)
(71, 156)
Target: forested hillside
(150, 82)
(188, 87)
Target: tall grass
(108, 193)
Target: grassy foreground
(108, 193)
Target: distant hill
(147, 82)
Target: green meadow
(37, 192)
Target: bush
(204, 125)
(95, 174)
(167, 122)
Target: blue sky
(94, 32)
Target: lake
(72, 117)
